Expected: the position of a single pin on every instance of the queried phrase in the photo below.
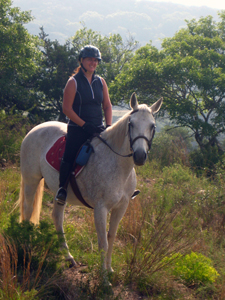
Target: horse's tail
(37, 202)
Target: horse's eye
(131, 124)
(153, 127)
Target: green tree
(19, 56)
(139, 75)
(189, 72)
(193, 71)
(57, 64)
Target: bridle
(132, 141)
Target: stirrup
(61, 196)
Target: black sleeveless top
(88, 99)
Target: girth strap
(74, 185)
(77, 192)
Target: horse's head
(142, 128)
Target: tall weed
(159, 235)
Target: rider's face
(90, 63)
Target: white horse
(107, 182)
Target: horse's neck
(117, 137)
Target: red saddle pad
(55, 154)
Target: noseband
(149, 142)
(132, 141)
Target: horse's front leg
(100, 215)
(116, 215)
(58, 217)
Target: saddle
(55, 155)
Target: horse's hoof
(107, 287)
(71, 262)
(73, 265)
(110, 270)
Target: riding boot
(65, 169)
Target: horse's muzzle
(139, 157)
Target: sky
(217, 4)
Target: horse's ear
(156, 106)
(134, 102)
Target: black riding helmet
(90, 51)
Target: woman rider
(85, 95)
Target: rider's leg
(65, 169)
(74, 140)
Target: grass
(174, 225)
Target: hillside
(144, 20)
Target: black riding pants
(76, 137)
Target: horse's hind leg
(116, 215)
(58, 217)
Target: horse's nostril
(140, 157)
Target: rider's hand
(90, 128)
(100, 128)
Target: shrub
(30, 264)
(204, 161)
(194, 269)
(171, 147)
(36, 245)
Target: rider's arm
(68, 98)
(107, 106)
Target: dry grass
(8, 267)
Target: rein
(104, 141)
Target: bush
(36, 245)
(194, 269)
(171, 146)
(30, 261)
(204, 161)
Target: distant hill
(143, 19)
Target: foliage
(33, 243)
(13, 128)
(189, 73)
(205, 162)
(56, 65)
(195, 87)
(156, 239)
(171, 146)
(140, 75)
(193, 269)
(18, 59)
(29, 262)
(9, 288)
